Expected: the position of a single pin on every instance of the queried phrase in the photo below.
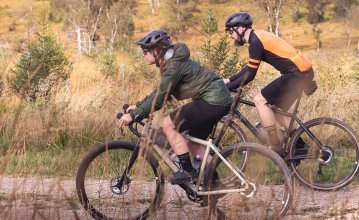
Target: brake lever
(125, 107)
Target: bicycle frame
(209, 146)
(237, 114)
(188, 187)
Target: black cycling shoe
(183, 176)
(301, 150)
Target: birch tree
(180, 16)
(343, 9)
(272, 8)
(315, 16)
(105, 21)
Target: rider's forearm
(237, 75)
(150, 96)
(157, 98)
(242, 80)
(154, 102)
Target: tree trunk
(349, 37)
(268, 10)
(79, 43)
(113, 34)
(152, 6)
(93, 31)
(277, 12)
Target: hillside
(22, 16)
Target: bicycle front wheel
(332, 167)
(270, 185)
(98, 188)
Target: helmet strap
(162, 63)
(159, 58)
(241, 41)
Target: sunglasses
(145, 51)
(230, 31)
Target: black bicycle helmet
(155, 39)
(242, 19)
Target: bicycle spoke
(270, 176)
(336, 163)
(138, 190)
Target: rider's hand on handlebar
(130, 108)
(125, 120)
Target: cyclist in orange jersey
(296, 73)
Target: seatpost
(228, 118)
(295, 111)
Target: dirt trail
(54, 198)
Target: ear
(240, 29)
(154, 52)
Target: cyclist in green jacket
(182, 78)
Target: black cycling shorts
(198, 117)
(283, 91)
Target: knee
(167, 124)
(259, 100)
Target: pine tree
(216, 54)
(41, 65)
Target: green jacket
(184, 78)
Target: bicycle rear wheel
(268, 173)
(333, 168)
(98, 189)
(233, 135)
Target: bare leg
(283, 120)
(265, 113)
(268, 120)
(176, 139)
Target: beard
(240, 42)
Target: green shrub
(298, 15)
(107, 60)
(41, 65)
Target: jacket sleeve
(169, 80)
(150, 96)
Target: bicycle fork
(131, 161)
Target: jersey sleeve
(248, 73)
(256, 51)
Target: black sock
(185, 161)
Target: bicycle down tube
(209, 146)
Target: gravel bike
(327, 152)
(124, 180)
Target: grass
(49, 138)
